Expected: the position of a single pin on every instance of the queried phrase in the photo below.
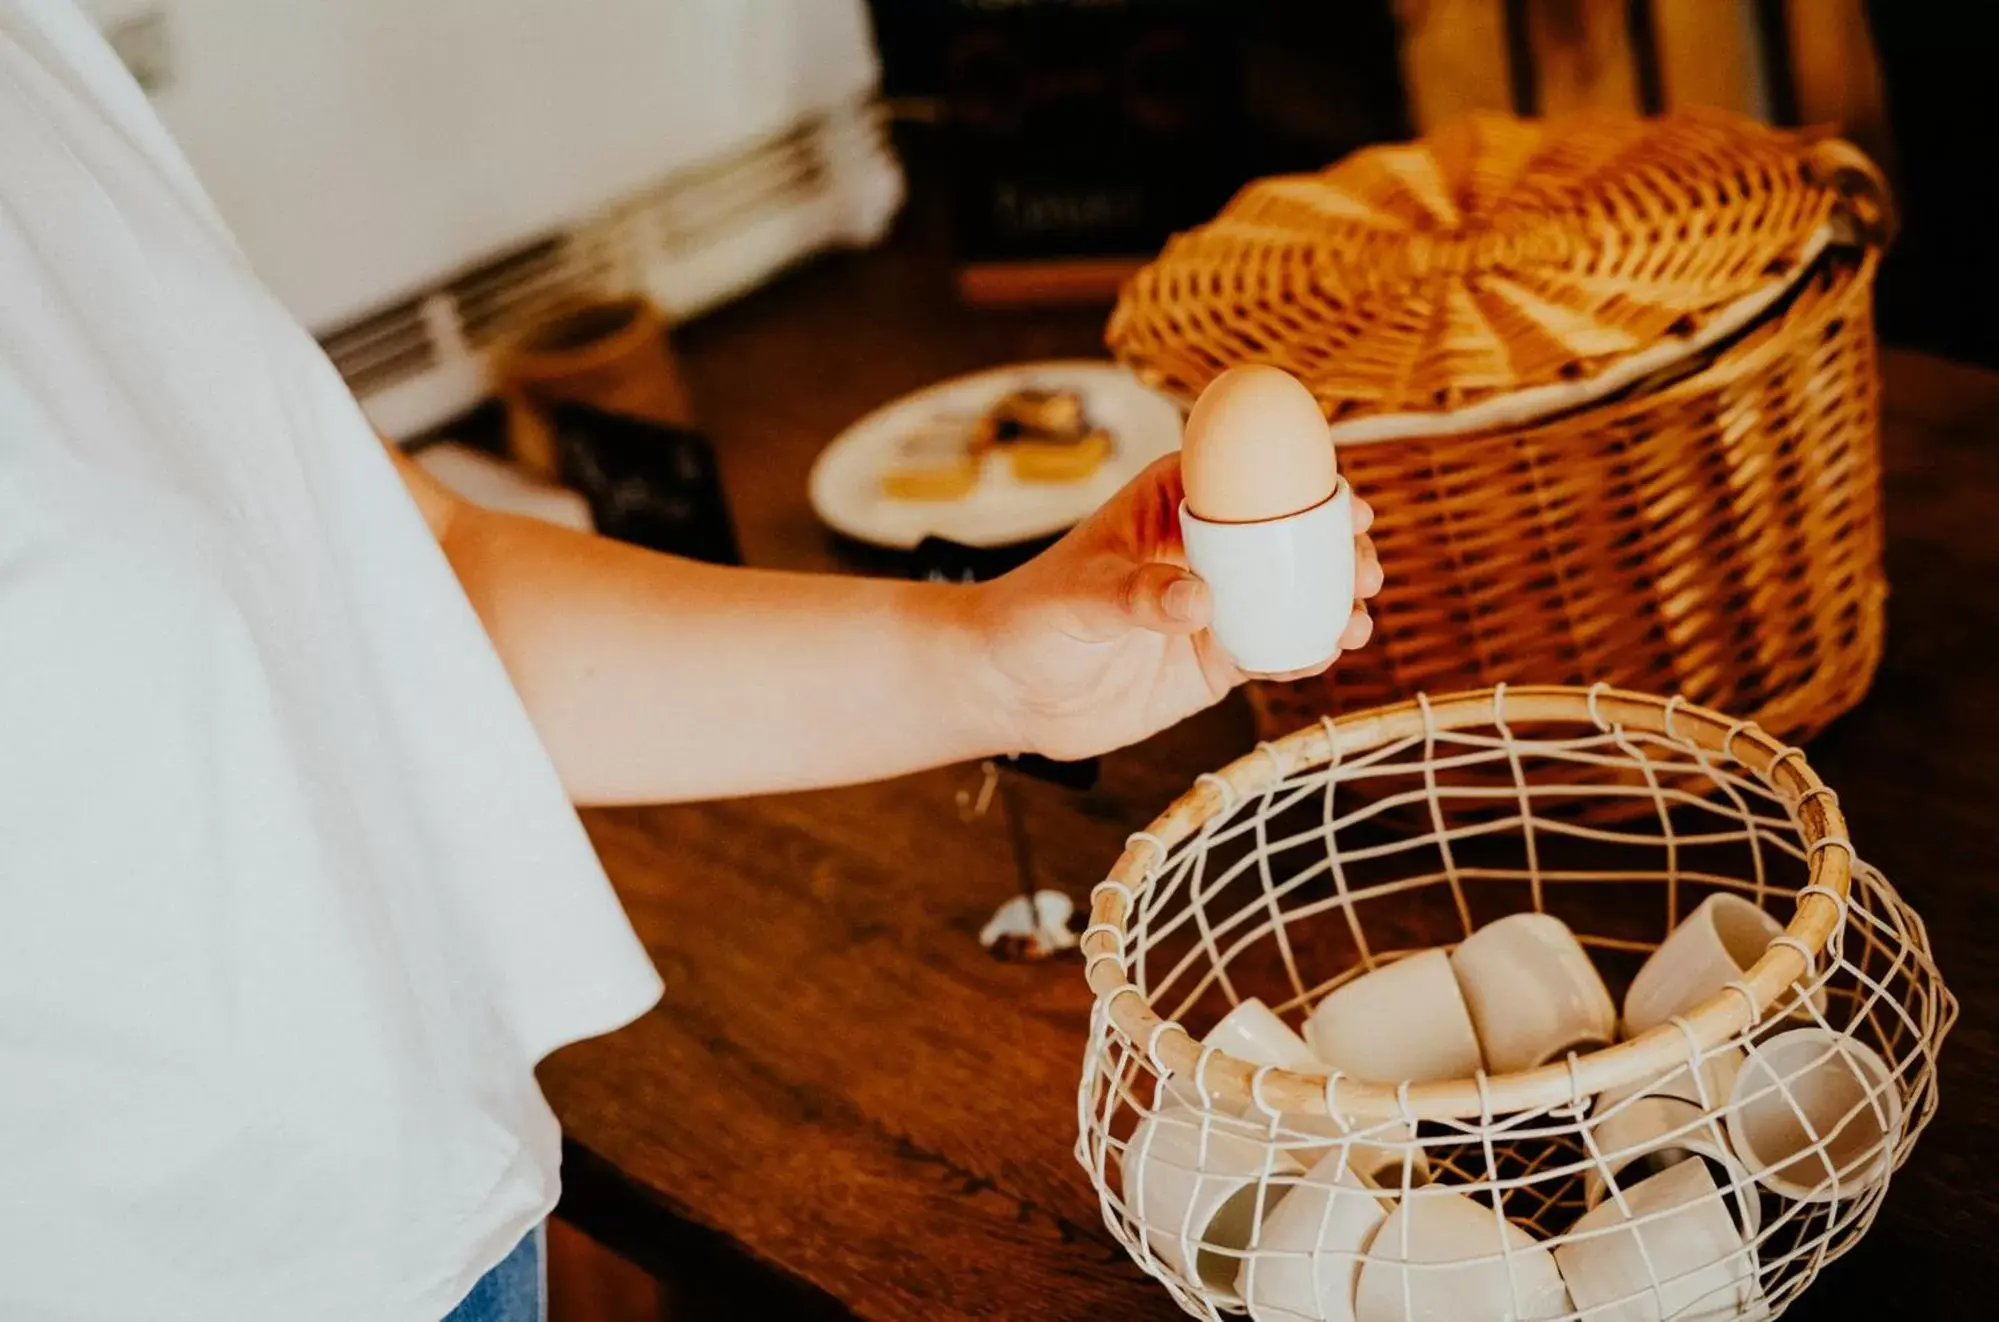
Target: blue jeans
(514, 1291)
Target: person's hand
(1103, 639)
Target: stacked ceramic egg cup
(1712, 1187)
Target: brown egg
(1256, 447)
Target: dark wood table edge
(704, 1271)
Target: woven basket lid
(1499, 270)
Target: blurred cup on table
(1197, 1183)
(1306, 1260)
(1442, 1257)
(1667, 1249)
(1815, 1115)
(1406, 1019)
(1713, 946)
(1533, 993)
(610, 353)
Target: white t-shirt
(291, 900)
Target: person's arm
(652, 678)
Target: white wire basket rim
(1224, 1078)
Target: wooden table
(843, 1106)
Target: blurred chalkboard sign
(1083, 133)
(648, 483)
(1080, 134)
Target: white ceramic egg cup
(1283, 588)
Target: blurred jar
(609, 354)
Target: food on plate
(934, 463)
(1045, 435)
(1032, 414)
(1060, 460)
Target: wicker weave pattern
(1721, 538)
(1273, 878)
(1499, 255)
(1690, 504)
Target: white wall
(362, 147)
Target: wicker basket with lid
(1609, 383)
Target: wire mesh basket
(1609, 383)
(1472, 1126)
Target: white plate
(846, 478)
